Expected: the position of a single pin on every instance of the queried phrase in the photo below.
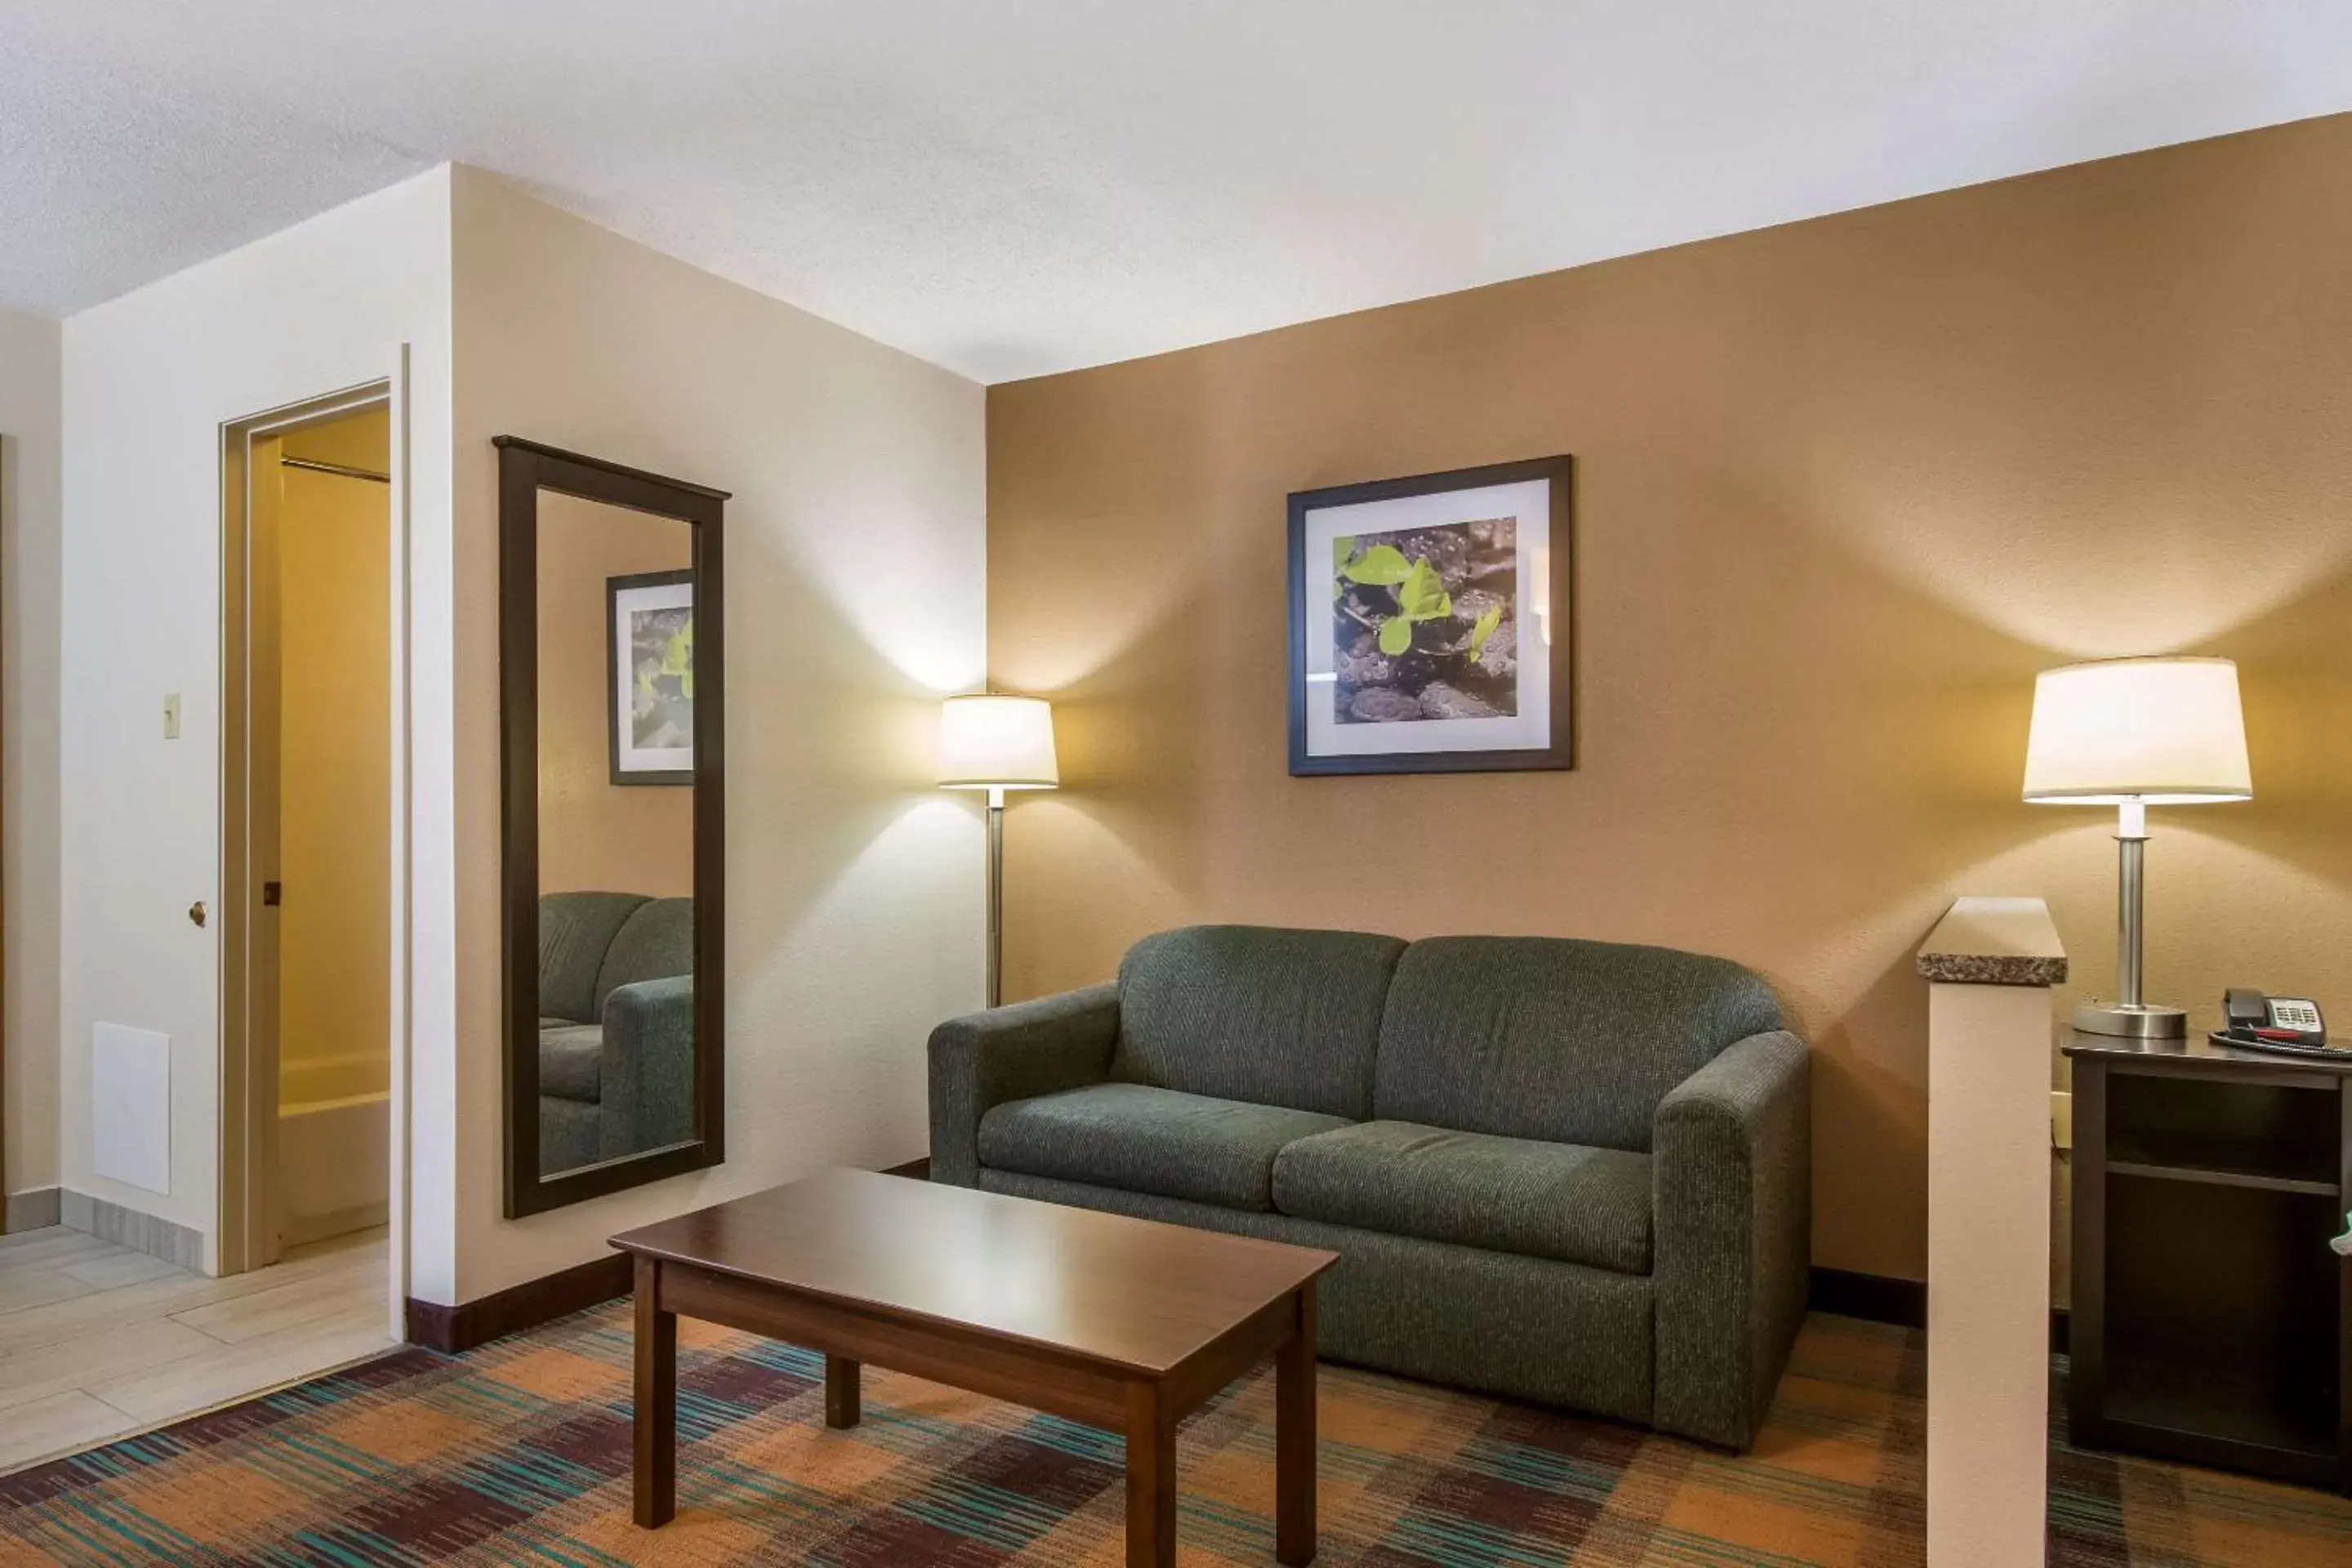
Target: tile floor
(97, 1341)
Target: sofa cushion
(1146, 1140)
(1568, 1042)
(570, 1061)
(1560, 1200)
(1275, 1018)
(656, 942)
(568, 1134)
(575, 929)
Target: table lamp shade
(2161, 732)
(997, 742)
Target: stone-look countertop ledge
(1994, 941)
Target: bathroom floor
(98, 1340)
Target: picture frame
(649, 697)
(1432, 622)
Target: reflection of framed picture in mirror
(649, 639)
(1431, 623)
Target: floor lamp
(2132, 734)
(996, 744)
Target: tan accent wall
(1843, 488)
(332, 538)
(595, 836)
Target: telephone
(2291, 1025)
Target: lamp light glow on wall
(997, 743)
(2132, 734)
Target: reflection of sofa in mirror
(616, 1027)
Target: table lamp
(2132, 734)
(996, 744)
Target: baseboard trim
(301, 1230)
(36, 1208)
(1872, 1296)
(1903, 1302)
(134, 1228)
(1875, 1297)
(518, 1307)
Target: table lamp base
(2131, 1021)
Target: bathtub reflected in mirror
(610, 643)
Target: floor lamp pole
(996, 898)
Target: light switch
(170, 715)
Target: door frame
(247, 1233)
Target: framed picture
(1431, 622)
(649, 639)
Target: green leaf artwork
(1457, 578)
(1383, 565)
(1484, 628)
(677, 659)
(1422, 595)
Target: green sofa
(1575, 1173)
(616, 1027)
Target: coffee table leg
(1294, 1439)
(1150, 1479)
(657, 1402)
(841, 1376)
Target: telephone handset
(2287, 1023)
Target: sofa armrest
(646, 1082)
(1731, 1163)
(983, 1060)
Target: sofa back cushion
(1255, 1012)
(655, 943)
(1572, 1042)
(574, 932)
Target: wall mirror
(612, 675)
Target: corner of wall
(31, 390)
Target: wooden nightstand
(2210, 1319)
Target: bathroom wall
(329, 536)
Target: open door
(308, 831)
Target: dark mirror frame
(525, 469)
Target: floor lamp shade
(2132, 734)
(997, 743)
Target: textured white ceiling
(1010, 188)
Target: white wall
(856, 567)
(29, 746)
(856, 592)
(149, 379)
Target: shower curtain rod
(317, 467)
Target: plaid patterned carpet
(519, 1453)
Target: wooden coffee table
(1121, 1323)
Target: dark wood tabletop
(1130, 1294)
(2199, 1054)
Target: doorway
(310, 885)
